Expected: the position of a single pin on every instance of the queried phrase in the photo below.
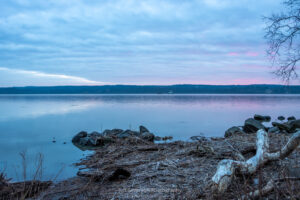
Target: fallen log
(227, 168)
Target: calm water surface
(28, 123)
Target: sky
(145, 42)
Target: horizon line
(183, 84)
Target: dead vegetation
(135, 169)
(24, 189)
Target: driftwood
(227, 168)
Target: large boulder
(148, 136)
(252, 126)
(94, 139)
(233, 131)
(113, 132)
(100, 140)
(262, 118)
(282, 126)
(290, 126)
(291, 118)
(274, 130)
(128, 133)
(85, 141)
(294, 124)
(78, 136)
(143, 129)
(281, 118)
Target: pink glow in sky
(233, 54)
(251, 54)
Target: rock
(295, 124)
(273, 130)
(281, 126)
(233, 131)
(289, 127)
(147, 136)
(157, 138)
(78, 136)
(128, 133)
(252, 126)
(119, 174)
(95, 133)
(262, 118)
(113, 132)
(281, 118)
(143, 129)
(85, 141)
(100, 140)
(167, 138)
(291, 118)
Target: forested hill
(150, 89)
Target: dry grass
(24, 189)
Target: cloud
(124, 41)
(41, 78)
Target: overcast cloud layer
(89, 42)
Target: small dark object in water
(53, 140)
(64, 143)
(281, 118)
(119, 174)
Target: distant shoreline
(155, 89)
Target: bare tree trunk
(227, 168)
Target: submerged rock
(281, 118)
(233, 131)
(252, 126)
(291, 118)
(262, 118)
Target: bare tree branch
(283, 37)
(227, 168)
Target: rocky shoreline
(129, 164)
(252, 125)
(94, 140)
